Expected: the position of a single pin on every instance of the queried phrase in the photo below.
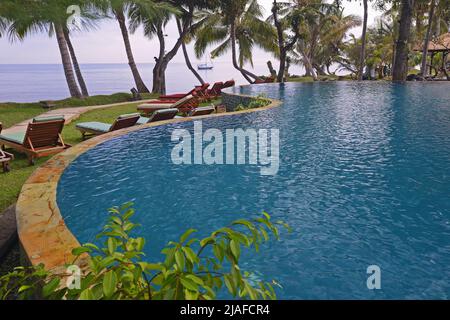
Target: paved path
(70, 114)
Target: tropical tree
(322, 31)
(235, 23)
(183, 12)
(423, 66)
(119, 9)
(362, 55)
(284, 20)
(50, 16)
(400, 68)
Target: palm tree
(284, 18)
(362, 56)
(322, 30)
(184, 10)
(235, 23)
(423, 67)
(120, 9)
(48, 16)
(76, 65)
(400, 68)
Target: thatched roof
(442, 43)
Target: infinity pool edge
(44, 237)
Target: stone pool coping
(43, 234)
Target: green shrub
(258, 102)
(193, 269)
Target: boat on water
(205, 67)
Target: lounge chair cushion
(16, 137)
(142, 120)
(47, 119)
(95, 126)
(130, 115)
(155, 106)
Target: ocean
(31, 82)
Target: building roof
(441, 43)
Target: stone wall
(231, 101)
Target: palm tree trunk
(423, 68)
(66, 62)
(400, 70)
(362, 56)
(186, 55)
(140, 85)
(76, 65)
(246, 74)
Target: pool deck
(43, 234)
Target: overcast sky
(105, 45)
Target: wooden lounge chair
(185, 104)
(202, 111)
(200, 92)
(215, 91)
(176, 96)
(42, 138)
(159, 115)
(5, 159)
(99, 128)
(229, 84)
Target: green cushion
(94, 126)
(16, 137)
(142, 120)
(46, 119)
(130, 115)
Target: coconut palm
(400, 68)
(285, 17)
(362, 56)
(322, 30)
(49, 16)
(423, 66)
(120, 9)
(234, 23)
(155, 26)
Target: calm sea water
(364, 180)
(30, 83)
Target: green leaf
(186, 235)
(87, 295)
(190, 254)
(229, 284)
(189, 284)
(79, 251)
(109, 284)
(112, 245)
(50, 287)
(218, 252)
(235, 249)
(196, 279)
(24, 288)
(179, 259)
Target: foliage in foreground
(193, 269)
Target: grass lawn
(12, 113)
(11, 183)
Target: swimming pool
(364, 179)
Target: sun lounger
(42, 138)
(185, 104)
(201, 92)
(202, 111)
(215, 91)
(229, 84)
(159, 115)
(98, 128)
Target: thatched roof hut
(441, 44)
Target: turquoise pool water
(364, 180)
